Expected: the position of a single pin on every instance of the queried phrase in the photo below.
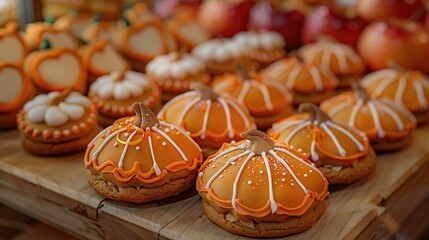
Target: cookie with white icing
(13, 48)
(115, 93)
(37, 32)
(210, 118)
(15, 90)
(175, 71)
(343, 153)
(410, 88)
(307, 82)
(140, 159)
(186, 30)
(267, 101)
(75, 22)
(57, 123)
(99, 30)
(260, 188)
(387, 124)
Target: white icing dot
(283, 180)
(115, 144)
(292, 184)
(225, 156)
(261, 171)
(201, 174)
(249, 182)
(305, 175)
(126, 134)
(299, 150)
(291, 147)
(233, 142)
(137, 148)
(310, 171)
(284, 173)
(221, 176)
(233, 163)
(167, 130)
(213, 166)
(164, 144)
(253, 188)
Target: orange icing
(26, 90)
(301, 77)
(410, 88)
(138, 13)
(259, 185)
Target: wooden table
(55, 191)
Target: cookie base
(290, 226)
(347, 175)
(8, 120)
(315, 98)
(59, 148)
(391, 146)
(141, 194)
(422, 118)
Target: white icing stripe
(393, 115)
(375, 76)
(206, 118)
(296, 130)
(354, 113)
(424, 81)
(228, 117)
(298, 158)
(164, 124)
(314, 156)
(242, 146)
(326, 59)
(209, 183)
(400, 89)
(373, 109)
(95, 154)
(339, 107)
(293, 75)
(98, 135)
(353, 55)
(265, 95)
(418, 86)
(155, 129)
(241, 113)
(290, 171)
(348, 134)
(237, 178)
(382, 86)
(315, 75)
(243, 92)
(285, 124)
(341, 58)
(174, 100)
(334, 139)
(399, 107)
(186, 110)
(155, 165)
(124, 151)
(273, 203)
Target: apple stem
(145, 117)
(60, 97)
(314, 111)
(204, 91)
(259, 141)
(242, 72)
(360, 91)
(120, 76)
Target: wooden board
(61, 196)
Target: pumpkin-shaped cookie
(13, 48)
(341, 152)
(115, 93)
(56, 69)
(15, 90)
(410, 88)
(187, 31)
(211, 119)
(266, 100)
(36, 33)
(139, 12)
(265, 47)
(260, 188)
(75, 22)
(101, 58)
(342, 60)
(99, 30)
(307, 82)
(140, 159)
(175, 71)
(57, 123)
(387, 124)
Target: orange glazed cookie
(186, 30)
(140, 159)
(211, 119)
(342, 60)
(101, 58)
(260, 188)
(388, 125)
(175, 71)
(341, 152)
(307, 82)
(57, 123)
(56, 69)
(138, 13)
(15, 90)
(115, 93)
(267, 101)
(36, 33)
(410, 88)
(13, 48)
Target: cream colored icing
(194, 32)
(11, 50)
(148, 41)
(259, 40)
(10, 84)
(108, 87)
(173, 66)
(72, 108)
(60, 39)
(108, 60)
(62, 71)
(219, 50)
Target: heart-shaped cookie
(15, 87)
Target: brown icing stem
(60, 97)
(360, 91)
(259, 141)
(121, 76)
(242, 72)
(394, 65)
(315, 113)
(179, 54)
(204, 91)
(145, 117)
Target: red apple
(380, 9)
(225, 17)
(399, 40)
(166, 8)
(343, 26)
(265, 15)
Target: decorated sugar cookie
(36, 33)
(139, 12)
(75, 22)
(140, 159)
(341, 152)
(13, 48)
(187, 31)
(57, 123)
(260, 188)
